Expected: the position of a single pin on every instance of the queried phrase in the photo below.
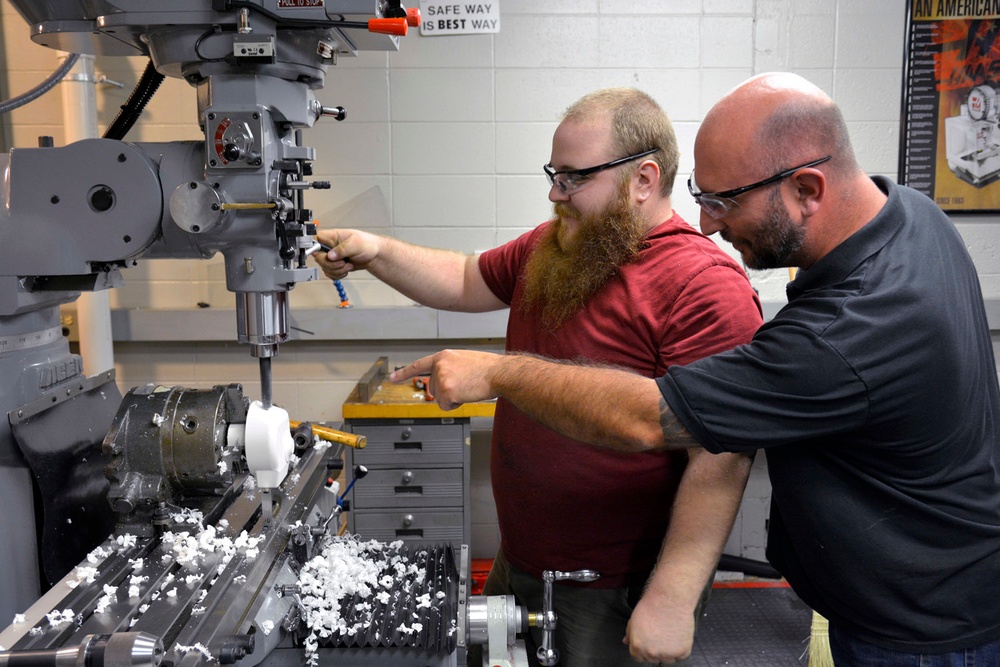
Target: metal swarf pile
(372, 594)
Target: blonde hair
(638, 123)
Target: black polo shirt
(874, 391)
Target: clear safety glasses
(719, 204)
(570, 180)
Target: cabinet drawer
(409, 487)
(419, 443)
(446, 526)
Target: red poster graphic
(950, 138)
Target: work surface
(375, 397)
(753, 627)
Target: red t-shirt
(566, 505)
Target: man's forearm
(704, 510)
(433, 277)
(602, 406)
(430, 276)
(662, 625)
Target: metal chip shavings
(371, 594)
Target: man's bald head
(779, 124)
(775, 121)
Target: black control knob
(337, 113)
(232, 152)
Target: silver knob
(338, 113)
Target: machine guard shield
(68, 466)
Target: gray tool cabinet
(418, 461)
(417, 487)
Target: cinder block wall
(444, 144)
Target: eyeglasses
(718, 204)
(569, 180)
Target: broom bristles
(819, 643)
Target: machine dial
(982, 103)
(234, 140)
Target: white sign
(449, 17)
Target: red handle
(388, 26)
(413, 16)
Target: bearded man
(616, 278)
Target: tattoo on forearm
(673, 429)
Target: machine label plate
(293, 4)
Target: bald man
(874, 390)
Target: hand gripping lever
(547, 654)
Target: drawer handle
(408, 446)
(409, 490)
(409, 532)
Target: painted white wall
(445, 140)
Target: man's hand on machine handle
(349, 250)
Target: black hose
(137, 101)
(754, 568)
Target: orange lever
(388, 26)
(413, 16)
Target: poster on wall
(950, 137)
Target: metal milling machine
(972, 138)
(199, 529)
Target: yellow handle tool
(355, 440)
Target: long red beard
(560, 278)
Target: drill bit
(265, 382)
